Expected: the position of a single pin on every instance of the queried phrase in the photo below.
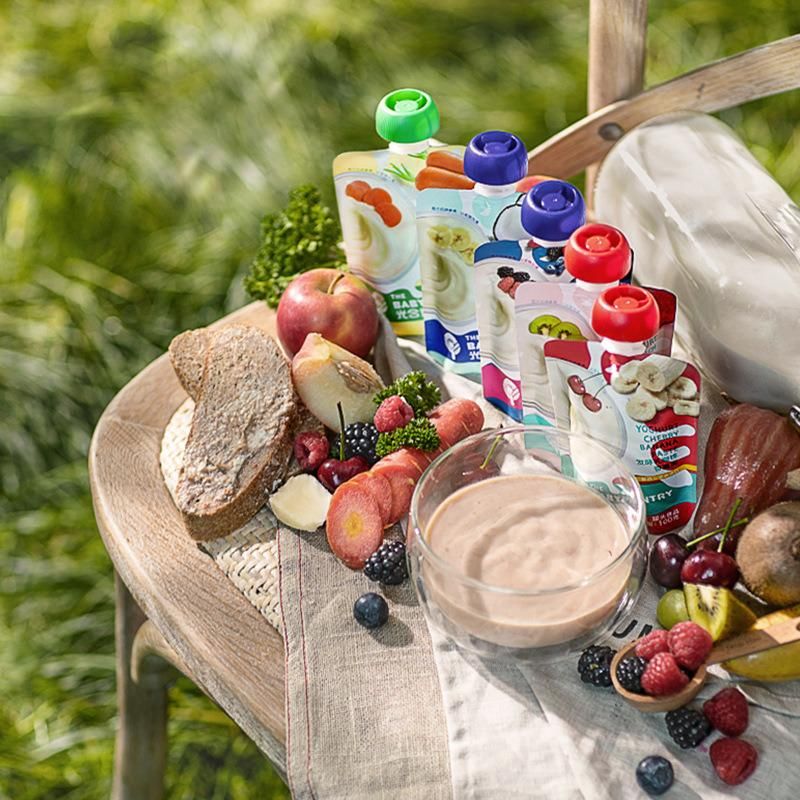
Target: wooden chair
(174, 607)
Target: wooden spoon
(743, 645)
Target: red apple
(332, 303)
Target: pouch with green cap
(376, 194)
(452, 223)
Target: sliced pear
(717, 610)
(780, 664)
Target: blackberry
(554, 253)
(360, 439)
(505, 272)
(387, 564)
(629, 673)
(687, 727)
(521, 277)
(654, 774)
(594, 665)
(371, 610)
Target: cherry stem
(341, 431)
(728, 523)
(491, 452)
(708, 535)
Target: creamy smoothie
(529, 533)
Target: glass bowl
(532, 614)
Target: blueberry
(521, 277)
(371, 610)
(654, 775)
(505, 272)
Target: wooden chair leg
(141, 748)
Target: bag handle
(763, 71)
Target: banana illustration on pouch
(689, 408)
(682, 389)
(651, 377)
(640, 408)
(659, 399)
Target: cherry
(666, 560)
(731, 540)
(592, 403)
(333, 473)
(710, 567)
(576, 384)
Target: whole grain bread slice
(240, 441)
(187, 352)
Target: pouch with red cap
(451, 224)
(596, 257)
(549, 213)
(643, 407)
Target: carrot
(376, 197)
(529, 181)
(357, 189)
(449, 161)
(389, 213)
(438, 178)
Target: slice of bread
(187, 352)
(240, 442)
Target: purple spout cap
(496, 158)
(552, 210)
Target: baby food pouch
(452, 223)
(550, 212)
(376, 194)
(643, 407)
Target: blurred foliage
(140, 144)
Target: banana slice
(628, 371)
(640, 409)
(621, 385)
(689, 408)
(682, 389)
(650, 376)
(440, 235)
(302, 503)
(659, 399)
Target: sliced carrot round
(376, 197)
(354, 526)
(402, 478)
(357, 189)
(389, 213)
(377, 485)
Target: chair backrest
(616, 102)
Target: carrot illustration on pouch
(444, 160)
(438, 178)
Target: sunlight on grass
(140, 143)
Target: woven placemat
(249, 555)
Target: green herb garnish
(304, 236)
(420, 433)
(420, 393)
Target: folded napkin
(402, 713)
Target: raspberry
(512, 292)
(310, 449)
(394, 412)
(505, 284)
(690, 644)
(663, 675)
(654, 642)
(727, 711)
(734, 760)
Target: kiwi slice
(543, 324)
(567, 330)
(717, 610)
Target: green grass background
(140, 142)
